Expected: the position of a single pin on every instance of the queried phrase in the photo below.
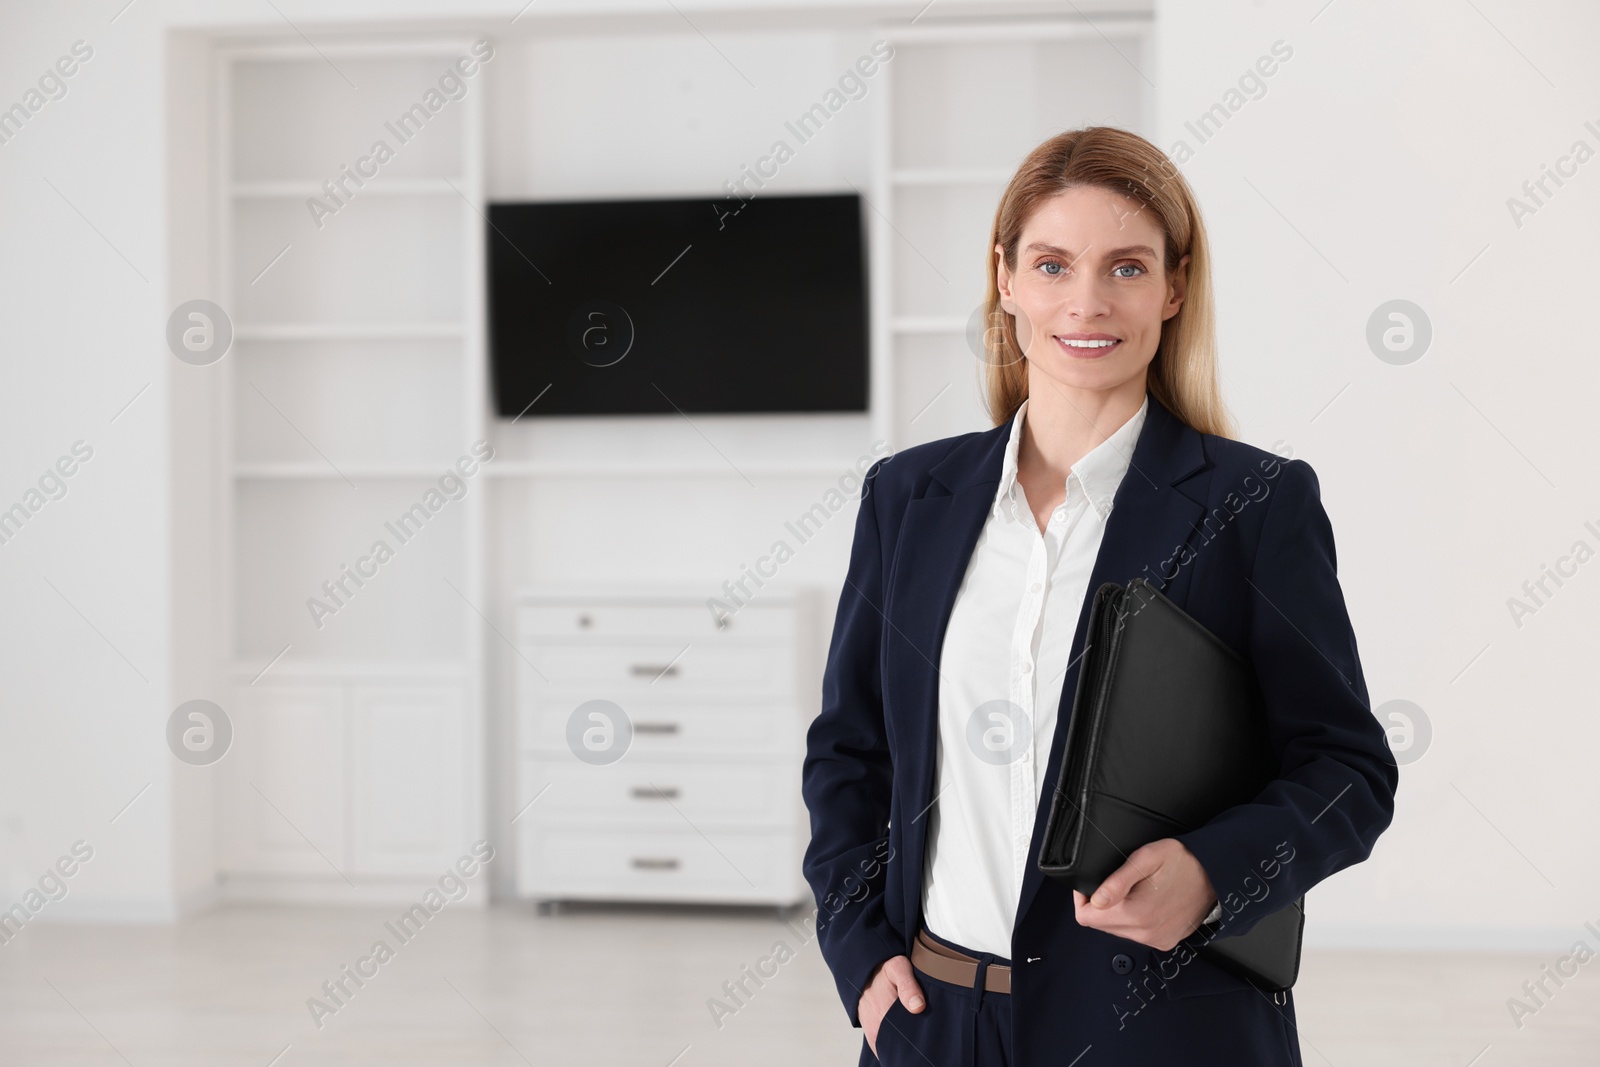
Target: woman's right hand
(892, 981)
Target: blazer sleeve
(847, 775)
(1337, 777)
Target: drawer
(693, 620)
(663, 668)
(671, 728)
(658, 865)
(681, 795)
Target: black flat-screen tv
(616, 307)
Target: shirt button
(1122, 963)
(1035, 587)
(1027, 668)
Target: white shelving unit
(357, 765)
(964, 107)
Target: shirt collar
(1098, 473)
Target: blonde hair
(1183, 374)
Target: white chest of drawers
(658, 751)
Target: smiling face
(1090, 291)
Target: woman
(957, 640)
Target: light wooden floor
(628, 986)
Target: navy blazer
(1238, 538)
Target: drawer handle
(655, 727)
(652, 670)
(655, 792)
(655, 863)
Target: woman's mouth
(1089, 345)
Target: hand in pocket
(892, 981)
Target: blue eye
(1050, 263)
(1134, 266)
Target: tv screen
(658, 306)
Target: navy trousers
(957, 1027)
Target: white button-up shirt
(1002, 665)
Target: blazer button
(1122, 963)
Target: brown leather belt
(957, 968)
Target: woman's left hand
(1156, 898)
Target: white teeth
(1086, 344)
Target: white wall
(85, 670)
(1377, 166)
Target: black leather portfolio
(1167, 731)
